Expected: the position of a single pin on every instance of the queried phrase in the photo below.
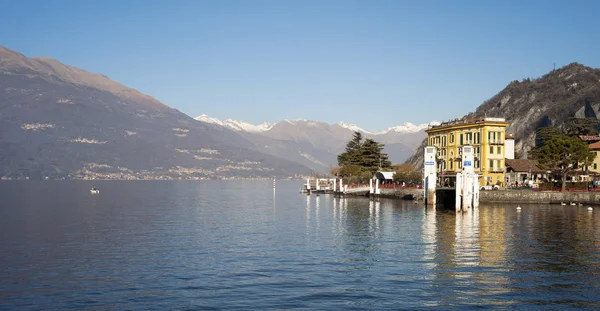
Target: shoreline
(502, 196)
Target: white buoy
(590, 208)
(563, 203)
(518, 208)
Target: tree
(577, 126)
(407, 173)
(353, 151)
(372, 157)
(362, 157)
(334, 170)
(563, 153)
(544, 134)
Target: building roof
(464, 122)
(589, 138)
(595, 145)
(385, 175)
(523, 165)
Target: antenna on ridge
(554, 67)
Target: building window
(595, 166)
(444, 141)
(491, 164)
(452, 138)
(491, 149)
(499, 150)
(476, 164)
(476, 138)
(461, 139)
(451, 164)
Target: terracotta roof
(595, 145)
(589, 138)
(523, 165)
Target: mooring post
(377, 187)
(475, 191)
(459, 192)
(468, 172)
(429, 175)
(371, 187)
(467, 198)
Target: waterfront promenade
(495, 196)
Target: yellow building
(489, 140)
(595, 166)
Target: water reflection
(221, 245)
(429, 236)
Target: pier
(465, 194)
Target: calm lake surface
(226, 245)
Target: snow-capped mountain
(353, 127)
(240, 126)
(408, 128)
(236, 125)
(316, 144)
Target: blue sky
(373, 63)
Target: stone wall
(540, 197)
(404, 193)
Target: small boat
(94, 190)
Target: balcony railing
(496, 141)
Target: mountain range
(529, 104)
(58, 121)
(316, 144)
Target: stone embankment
(538, 197)
(503, 196)
(397, 193)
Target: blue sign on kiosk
(429, 163)
(467, 163)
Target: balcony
(496, 141)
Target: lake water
(226, 245)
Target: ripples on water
(240, 245)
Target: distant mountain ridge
(316, 144)
(570, 91)
(237, 125)
(59, 121)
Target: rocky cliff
(571, 91)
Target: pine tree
(577, 126)
(352, 154)
(563, 153)
(372, 156)
(363, 157)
